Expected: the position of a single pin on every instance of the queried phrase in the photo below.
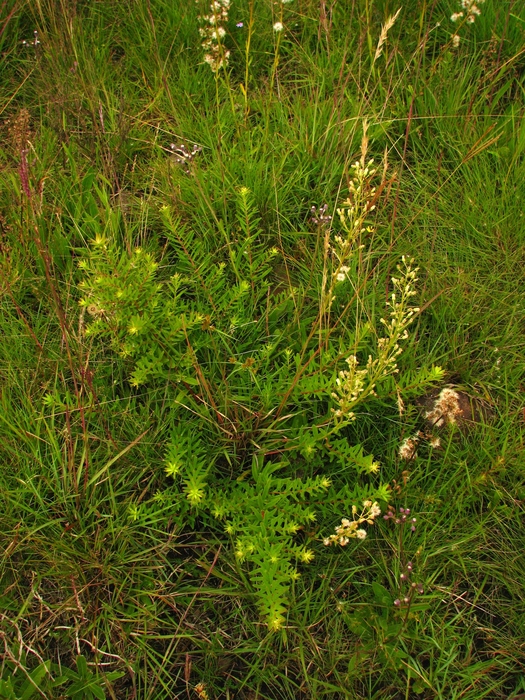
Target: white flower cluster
(350, 529)
(279, 26)
(353, 384)
(352, 216)
(470, 12)
(213, 32)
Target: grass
(97, 561)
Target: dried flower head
(19, 130)
(201, 691)
(408, 448)
(446, 408)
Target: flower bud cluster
(413, 588)
(349, 386)
(319, 217)
(213, 32)
(401, 315)
(183, 155)
(35, 42)
(400, 518)
(350, 529)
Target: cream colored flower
(375, 510)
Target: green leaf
(381, 594)
(7, 692)
(37, 675)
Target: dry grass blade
(387, 26)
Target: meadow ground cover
(262, 358)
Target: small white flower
(361, 534)
(455, 41)
(456, 15)
(278, 27)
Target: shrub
(260, 359)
